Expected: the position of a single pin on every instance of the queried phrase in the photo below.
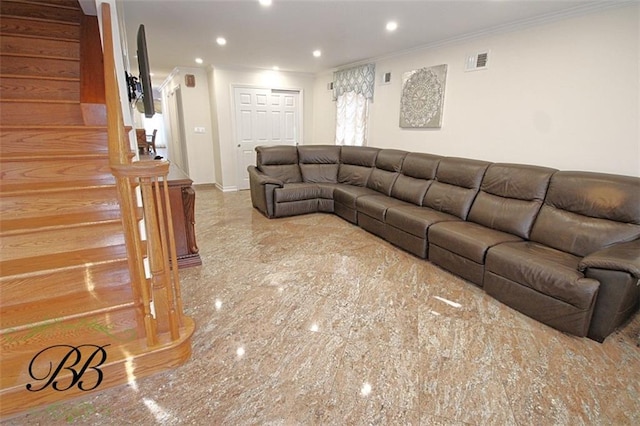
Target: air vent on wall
(330, 86)
(386, 78)
(477, 61)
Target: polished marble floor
(310, 320)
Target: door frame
(234, 129)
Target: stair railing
(151, 248)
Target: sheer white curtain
(352, 91)
(352, 113)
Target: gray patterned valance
(358, 79)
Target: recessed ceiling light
(199, 60)
(317, 53)
(392, 26)
(151, 74)
(265, 2)
(276, 68)
(221, 41)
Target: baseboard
(226, 188)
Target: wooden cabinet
(182, 198)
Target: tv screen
(145, 78)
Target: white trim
(226, 188)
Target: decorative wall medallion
(423, 97)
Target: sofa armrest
(618, 257)
(262, 179)
(262, 187)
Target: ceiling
(285, 33)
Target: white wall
(196, 113)
(563, 94)
(324, 111)
(223, 80)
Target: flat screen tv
(145, 78)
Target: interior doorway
(177, 149)
(264, 117)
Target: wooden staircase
(65, 266)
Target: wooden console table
(182, 198)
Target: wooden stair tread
(26, 26)
(71, 259)
(55, 186)
(35, 37)
(40, 47)
(40, 77)
(39, 101)
(49, 12)
(43, 155)
(50, 241)
(57, 221)
(5, 126)
(39, 66)
(74, 200)
(16, 317)
(38, 56)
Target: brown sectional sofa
(561, 247)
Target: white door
(263, 117)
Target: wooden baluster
(119, 155)
(174, 255)
(163, 205)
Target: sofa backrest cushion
(319, 163)
(510, 197)
(456, 185)
(420, 166)
(280, 162)
(584, 212)
(356, 163)
(418, 172)
(386, 171)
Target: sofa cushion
(418, 172)
(296, 192)
(467, 239)
(450, 199)
(415, 220)
(390, 160)
(350, 174)
(325, 190)
(544, 269)
(410, 189)
(420, 166)
(348, 194)
(280, 162)
(510, 197)
(584, 212)
(359, 155)
(382, 180)
(461, 172)
(386, 170)
(456, 186)
(319, 163)
(376, 206)
(356, 163)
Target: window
(352, 113)
(352, 91)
